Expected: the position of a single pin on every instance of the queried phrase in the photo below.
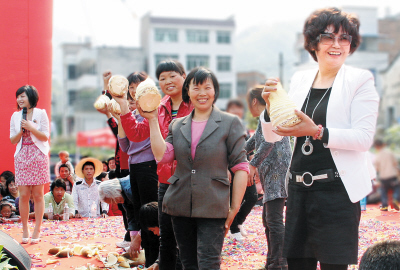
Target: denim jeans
(249, 200)
(389, 184)
(200, 242)
(169, 255)
(274, 231)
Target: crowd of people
(186, 173)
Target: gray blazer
(200, 187)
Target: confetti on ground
(249, 254)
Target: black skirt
(321, 223)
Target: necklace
(307, 142)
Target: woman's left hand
(27, 125)
(229, 220)
(250, 176)
(306, 127)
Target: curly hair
(320, 19)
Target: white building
(194, 42)
(390, 103)
(83, 66)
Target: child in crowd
(7, 215)
(64, 159)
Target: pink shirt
(197, 131)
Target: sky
(117, 22)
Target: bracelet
(321, 134)
(318, 132)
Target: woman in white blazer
(31, 134)
(329, 171)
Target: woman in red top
(171, 75)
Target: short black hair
(148, 215)
(7, 174)
(106, 163)
(320, 19)
(137, 77)
(8, 182)
(4, 204)
(199, 75)
(88, 163)
(64, 166)
(2, 190)
(32, 94)
(378, 143)
(101, 176)
(170, 65)
(111, 158)
(381, 255)
(58, 183)
(234, 102)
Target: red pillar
(25, 58)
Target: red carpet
(250, 254)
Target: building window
(224, 63)
(166, 35)
(241, 88)
(72, 94)
(197, 36)
(162, 57)
(196, 61)
(72, 72)
(224, 37)
(225, 90)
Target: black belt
(307, 179)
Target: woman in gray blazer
(206, 143)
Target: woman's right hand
(148, 115)
(270, 86)
(106, 78)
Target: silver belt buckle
(301, 179)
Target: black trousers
(200, 241)
(169, 254)
(274, 231)
(144, 186)
(249, 200)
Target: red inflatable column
(25, 58)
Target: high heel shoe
(35, 240)
(25, 240)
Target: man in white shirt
(85, 192)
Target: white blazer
(351, 119)
(40, 122)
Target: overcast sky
(116, 22)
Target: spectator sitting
(67, 176)
(4, 176)
(2, 192)
(119, 191)
(64, 159)
(382, 255)
(58, 197)
(11, 192)
(85, 192)
(7, 215)
(149, 220)
(31, 207)
(105, 166)
(111, 164)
